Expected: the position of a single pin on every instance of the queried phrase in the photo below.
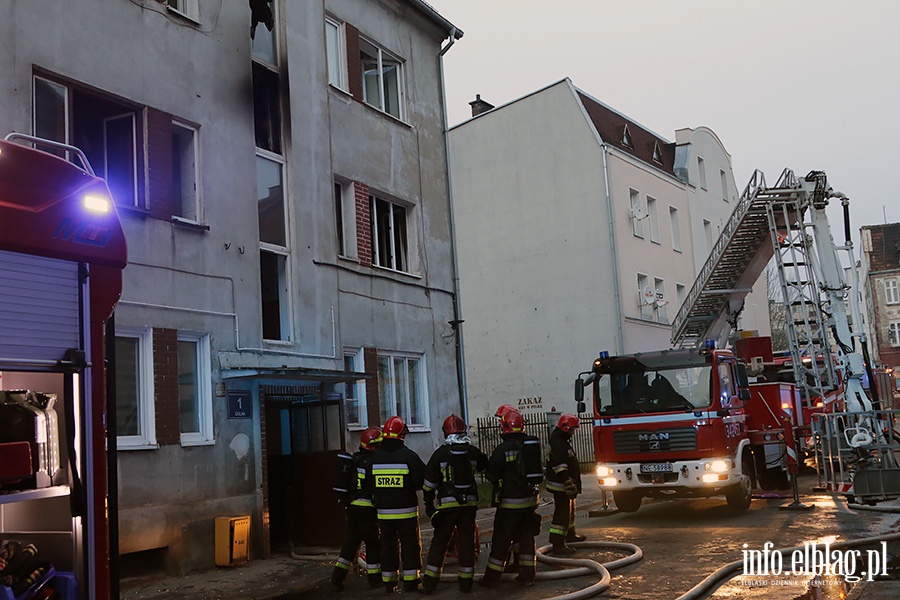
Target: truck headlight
(604, 471)
(717, 466)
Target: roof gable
(615, 128)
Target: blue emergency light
(604, 354)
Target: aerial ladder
(788, 224)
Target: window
(707, 233)
(637, 213)
(266, 108)
(894, 333)
(891, 293)
(626, 137)
(355, 392)
(194, 388)
(185, 8)
(274, 296)
(184, 172)
(334, 49)
(270, 200)
(657, 155)
(345, 215)
(724, 179)
(660, 301)
(135, 410)
(726, 383)
(382, 79)
(106, 129)
(389, 234)
(401, 387)
(701, 167)
(676, 229)
(654, 219)
(264, 42)
(680, 293)
(646, 296)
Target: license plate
(657, 468)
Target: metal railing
(487, 433)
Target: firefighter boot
(337, 577)
(491, 578)
(571, 536)
(411, 585)
(560, 549)
(429, 584)
(465, 585)
(374, 580)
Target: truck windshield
(670, 389)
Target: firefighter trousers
(513, 526)
(362, 526)
(563, 518)
(444, 522)
(400, 545)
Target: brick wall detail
(165, 381)
(363, 224)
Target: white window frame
(377, 259)
(189, 9)
(653, 216)
(380, 56)
(347, 205)
(357, 359)
(146, 439)
(680, 293)
(675, 224)
(646, 310)
(284, 301)
(891, 291)
(405, 409)
(701, 169)
(708, 235)
(637, 213)
(336, 54)
(659, 286)
(203, 369)
(894, 334)
(724, 179)
(194, 177)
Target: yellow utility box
(232, 540)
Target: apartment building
(579, 231)
(281, 175)
(880, 272)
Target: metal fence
(487, 434)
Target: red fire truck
(700, 420)
(62, 251)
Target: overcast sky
(803, 84)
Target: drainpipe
(614, 256)
(457, 322)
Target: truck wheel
(627, 501)
(740, 494)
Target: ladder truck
(702, 420)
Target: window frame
(675, 225)
(637, 225)
(203, 390)
(340, 50)
(893, 331)
(645, 310)
(662, 313)
(422, 389)
(178, 196)
(146, 394)
(653, 217)
(285, 320)
(374, 231)
(345, 218)
(723, 177)
(189, 9)
(701, 169)
(891, 291)
(357, 358)
(380, 54)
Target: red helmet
(512, 422)
(567, 422)
(369, 438)
(505, 408)
(395, 428)
(453, 424)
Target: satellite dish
(637, 212)
(649, 295)
(660, 299)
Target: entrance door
(304, 434)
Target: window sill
(355, 427)
(183, 223)
(181, 15)
(352, 259)
(192, 444)
(340, 91)
(385, 114)
(395, 272)
(419, 429)
(132, 447)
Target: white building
(578, 231)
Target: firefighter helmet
(505, 408)
(369, 438)
(567, 422)
(453, 424)
(395, 428)
(512, 422)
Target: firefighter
(563, 476)
(514, 468)
(450, 479)
(398, 475)
(354, 490)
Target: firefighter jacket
(398, 474)
(515, 470)
(353, 482)
(562, 463)
(450, 475)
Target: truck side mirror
(744, 394)
(580, 407)
(579, 391)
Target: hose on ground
(574, 567)
(715, 580)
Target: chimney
(479, 106)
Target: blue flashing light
(604, 354)
(710, 344)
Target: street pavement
(305, 572)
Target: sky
(799, 84)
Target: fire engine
(700, 419)
(62, 251)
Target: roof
(645, 145)
(434, 16)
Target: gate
(488, 432)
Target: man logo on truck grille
(653, 439)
